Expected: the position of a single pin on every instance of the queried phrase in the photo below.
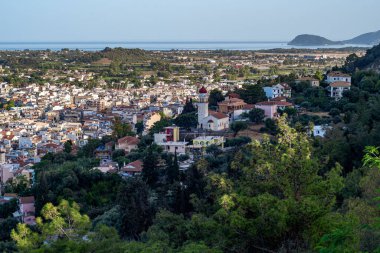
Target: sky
(184, 20)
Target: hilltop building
(336, 76)
(210, 120)
(278, 90)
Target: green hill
(370, 61)
(311, 40)
(372, 38)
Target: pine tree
(173, 169)
(150, 167)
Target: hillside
(371, 38)
(311, 40)
(371, 61)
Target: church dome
(202, 90)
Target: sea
(162, 46)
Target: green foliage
(160, 125)
(137, 214)
(238, 126)
(252, 94)
(26, 240)
(370, 59)
(64, 221)
(173, 169)
(139, 127)
(215, 97)
(18, 185)
(241, 140)
(120, 129)
(256, 115)
(75, 180)
(270, 126)
(6, 226)
(279, 192)
(150, 166)
(187, 120)
(318, 74)
(88, 150)
(6, 209)
(68, 146)
(189, 107)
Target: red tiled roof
(340, 84)
(278, 103)
(279, 99)
(232, 101)
(286, 86)
(307, 78)
(130, 140)
(51, 145)
(14, 195)
(217, 115)
(338, 74)
(248, 106)
(135, 166)
(27, 200)
(234, 95)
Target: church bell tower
(202, 106)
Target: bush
(334, 112)
(239, 141)
(183, 157)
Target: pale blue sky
(184, 20)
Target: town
(60, 113)
(127, 108)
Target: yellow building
(205, 141)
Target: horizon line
(142, 42)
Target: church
(210, 120)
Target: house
(178, 147)
(49, 148)
(336, 76)
(127, 143)
(103, 152)
(202, 142)
(7, 172)
(234, 107)
(207, 119)
(271, 108)
(320, 130)
(313, 82)
(278, 90)
(132, 169)
(107, 166)
(336, 89)
(150, 119)
(27, 210)
(230, 105)
(169, 140)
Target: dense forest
(290, 192)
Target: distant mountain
(371, 38)
(311, 40)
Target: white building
(320, 130)
(169, 140)
(337, 88)
(336, 76)
(211, 120)
(278, 90)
